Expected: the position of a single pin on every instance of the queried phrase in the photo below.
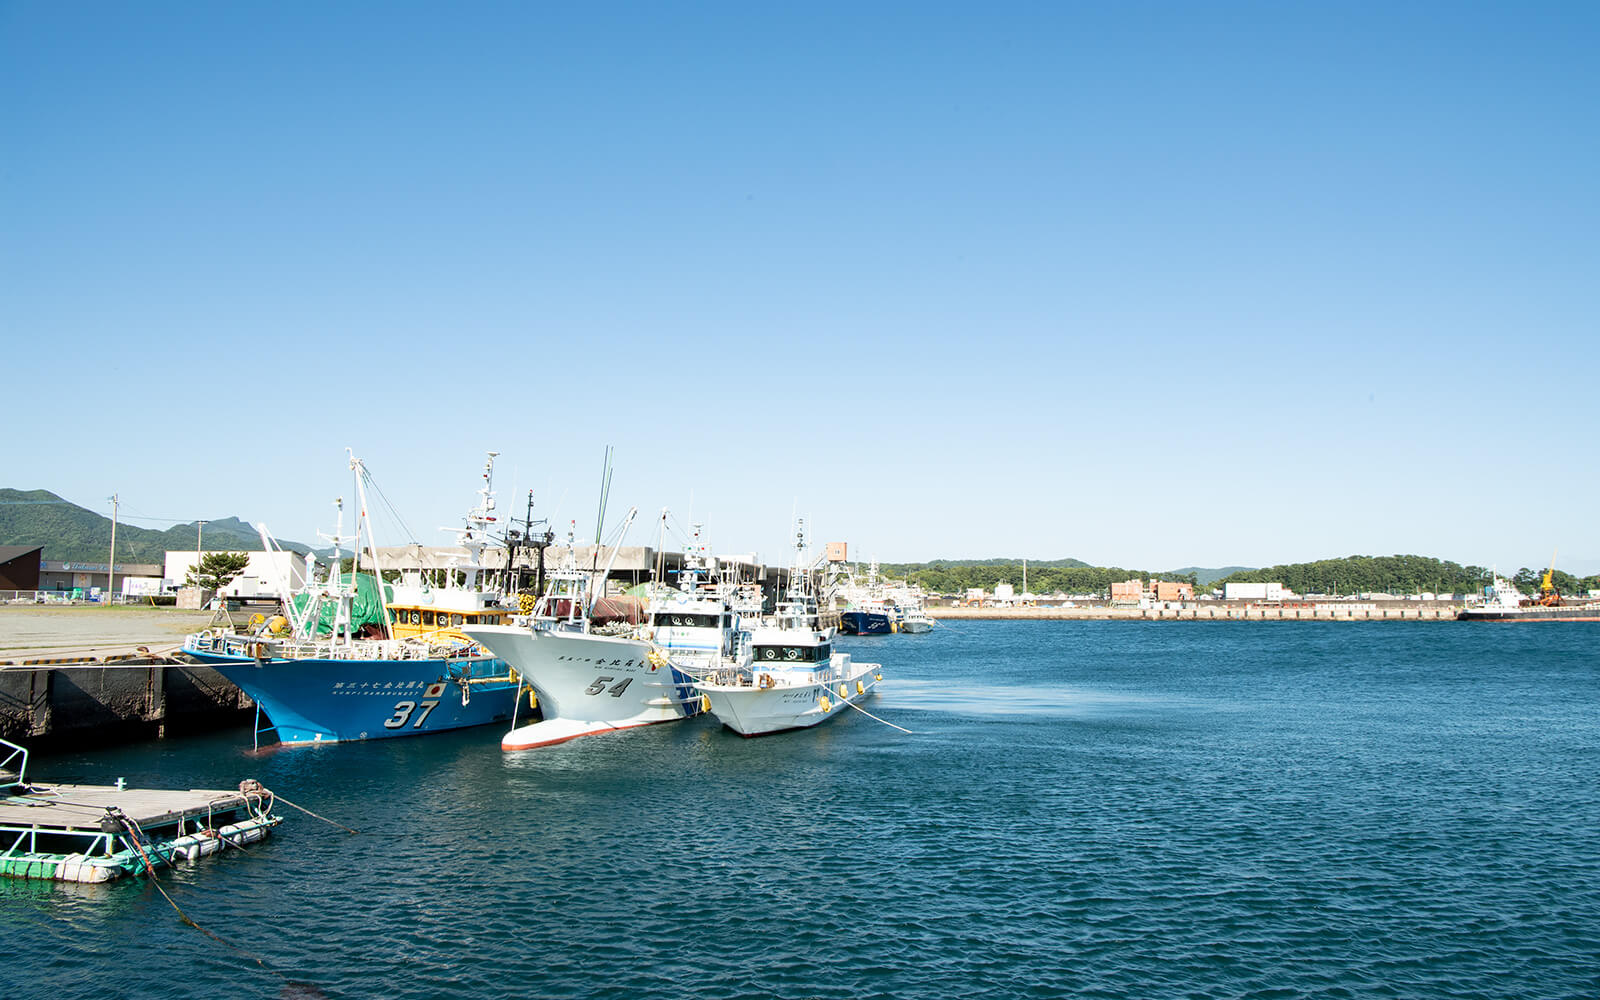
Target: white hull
(916, 625)
(587, 683)
(754, 711)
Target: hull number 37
(404, 709)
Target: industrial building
(19, 566)
(1255, 592)
(134, 579)
(1137, 591)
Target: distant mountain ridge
(70, 533)
(1205, 577)
(1202, 576)
(1017, 562)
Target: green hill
(1033, 564)
(1398, 574)
(1071, 576)
(1206, 577)
(70, 533)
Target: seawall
(91, 676)
(1210, 611)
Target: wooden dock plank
(81, 807)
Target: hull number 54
(600, 683)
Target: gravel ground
(32, 632)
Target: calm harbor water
(1095, 809)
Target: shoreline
(1209, 611)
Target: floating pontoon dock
(96, 833)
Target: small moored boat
(794, 678)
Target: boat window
(427, 618)
(416, 617)
(688, 621)
(788, 654)
(457, 621)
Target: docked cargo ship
(1504, 603)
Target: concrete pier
(86, 676)
(1396, 611)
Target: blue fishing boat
(867, 611)
(866, 621)
(350, 659)
(310, 696)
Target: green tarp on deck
(365, 608)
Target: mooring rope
(134, 833)
(869, 715)
(133, 837)
(279, 798)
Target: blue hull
(864, 623)
(329, 701)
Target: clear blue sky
(1147, 284)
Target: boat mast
(661, 555)
(335, 587)
(598, 580)
(297, 622)
(475, 536)
(361, 519)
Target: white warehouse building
(1255, 592)
(260, 578)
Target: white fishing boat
(794, 678)
(591, 676)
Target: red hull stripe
(504, 745)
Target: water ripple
(1118, 812)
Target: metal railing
(222, 643)
(19, 757)
(72, 597)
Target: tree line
(1397, 574)
(941, 577)
(1400, 574)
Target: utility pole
(111, 567)
(199, 533)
